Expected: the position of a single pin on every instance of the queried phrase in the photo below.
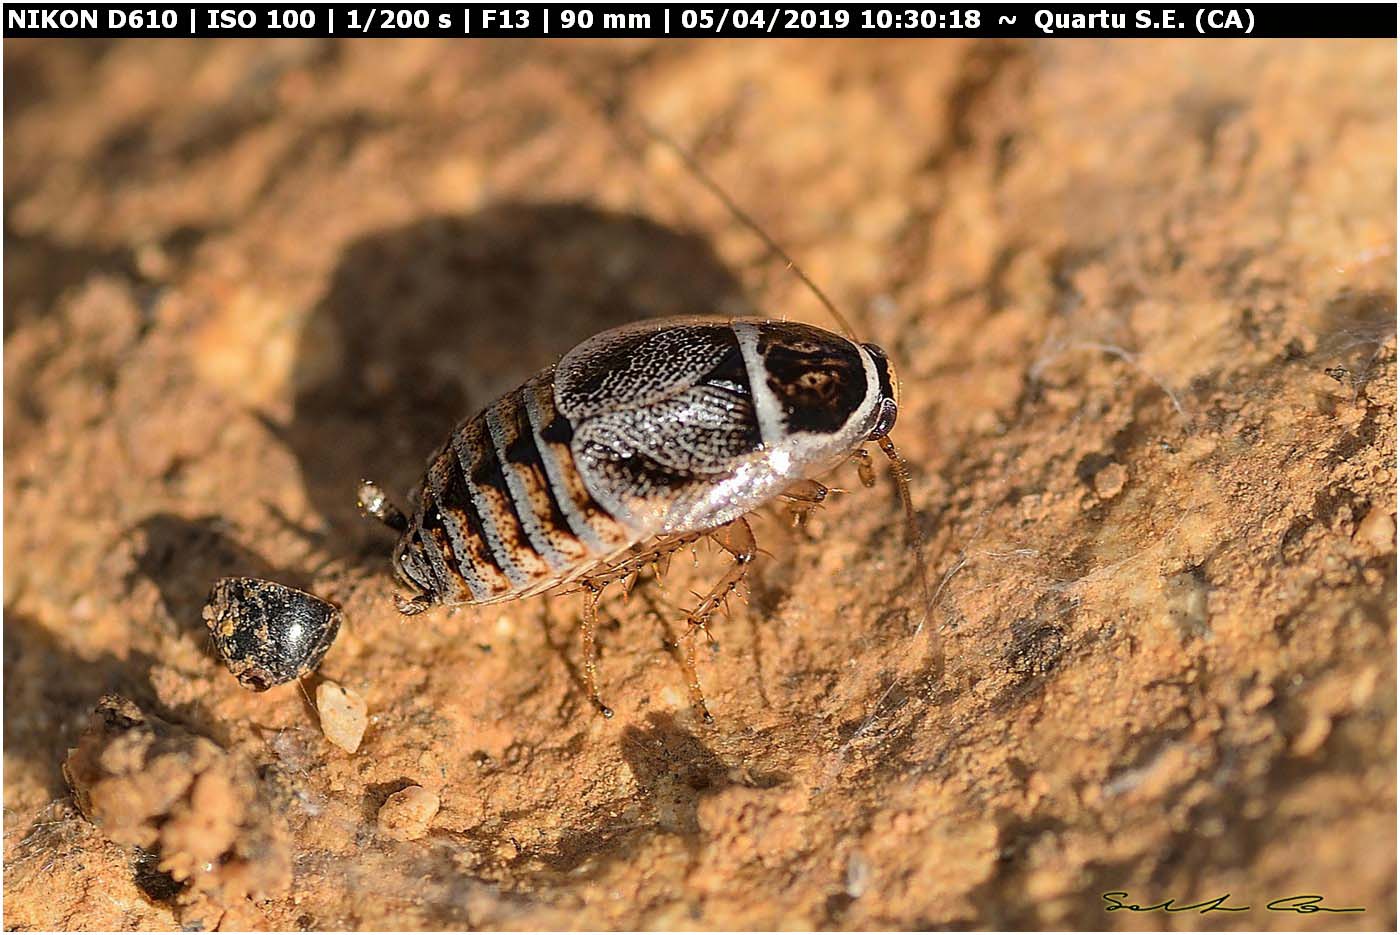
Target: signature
(1303, 905)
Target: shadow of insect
(424, 324)
(674, 771)
(183, 557)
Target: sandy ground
(1142, 300)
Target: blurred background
(1141, 298)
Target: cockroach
(639, 441)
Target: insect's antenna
(900, 466)
(743, 218)
(612, 108)
(900, 469)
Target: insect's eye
(889, 411)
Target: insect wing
(662, 413)
(638, 364)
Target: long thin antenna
(747, 221)
(900, 469)
(612, 108)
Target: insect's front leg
(805, 496)
(865, 467)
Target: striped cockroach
(639, 441)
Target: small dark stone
(160, 886)
(267, 633)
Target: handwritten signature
(1302, 905)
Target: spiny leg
(630, 566)
(660, 552)
(588, 627)
(737, 539)
(593, 586)
(692, 677)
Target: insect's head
(889, 392)
(821, 380)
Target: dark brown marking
(511, 546)
(526, 465)
(454, 503)
(440, 557)
(818, 378)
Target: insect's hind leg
(588, 629)
(593, 586)
(737, 539)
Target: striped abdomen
(503, 511)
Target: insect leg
(692, 678)
(865, 467)
(588, 626)
(736, 538)
(805, 496)
(628, 568)
(806, 491)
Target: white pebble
(343, 715)
(405, 815)
(1377, 530)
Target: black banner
(699, 20)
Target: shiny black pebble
(267, 633)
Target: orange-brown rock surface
(1141, 297)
